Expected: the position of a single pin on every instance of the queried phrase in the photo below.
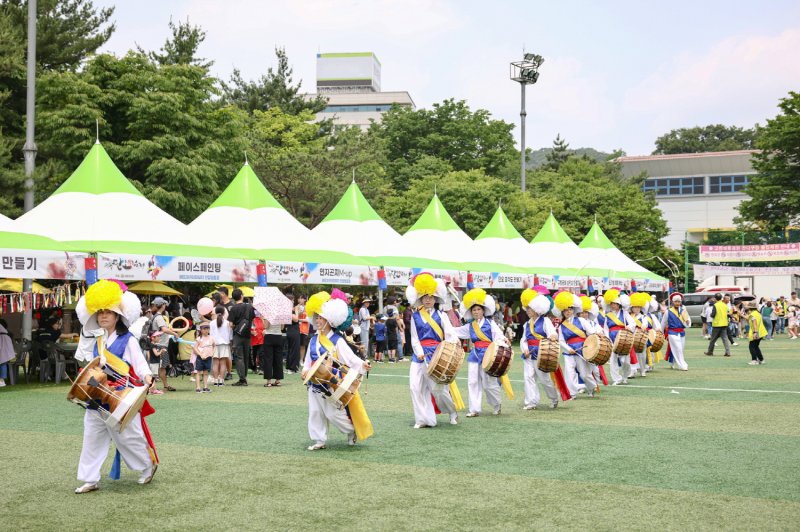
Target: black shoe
(239, 383)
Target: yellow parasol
(247, 291)
(153, 288)
(15, 285)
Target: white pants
(620, 373)
(573, 366)
(480, 381)
(534, 375)
(641, 364)
(320, 412)
(422, 387)
(596, 373)
(131, 444)
(676, 348)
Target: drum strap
(533, 331)
(637, 322)
(575, 330)
(479, 333)
(613, 317)
(423, 312)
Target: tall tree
(558, 154)
(274, 89)
(181, 47)
(774, 191)
(715, 137)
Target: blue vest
(538, 328)
(577, 346)
(621, 315)
(117, 347)
(426, 332)
(674, 322)
(315, 344)
(601, 319)
(476, 355)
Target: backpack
(145, 341)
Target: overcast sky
(616, 74)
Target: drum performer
(675, 322)
(110, 308)
(476, 307)
(591, 313)
(655, 324)
(429, 327)
(617, 319)
(537, 328)
(640, 303)
(571, 336)
(331, 315)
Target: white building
(352, 84)
(696, 192)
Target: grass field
(717, 447)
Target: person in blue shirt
(380, 338)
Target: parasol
(273, 306)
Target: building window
(674, 186)
(726, 184)
(381, 108)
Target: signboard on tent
(320, 273)
(763, 253)
(402, 276)
(168, 268)
(33, 264)
(502, 280)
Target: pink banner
(767, 252)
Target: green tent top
(97, 174)
(551, 231)
(499, 227)
(435, 217)
(596, 238)
(247, 192)
(353, 206)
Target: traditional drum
(656, 340)
(639, 339)
(96, 386)
(548, 356)
(445, 362)
(339, 383)
(497, 360)
(597, 349)
(623, 342)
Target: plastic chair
(23, 350)
(48, 361)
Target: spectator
(293, 340)
(51, 329)
(408, 314)
(766, 316)
(791, 318)
(380, 339)
(743, 312)
(706, 315)
(272, 364)
(303, 325)
(757, 333)
(731, 321)
(6, 352)
(241, 317)
(204, 356)
(257, 342)
(392, 324)
(221, 332)
(364, 321)
(159, 354)
(221, 298)
(719, 326)
(780, 314)
(793, 300)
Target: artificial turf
(675, 450)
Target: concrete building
(696, 192)
(352, 84)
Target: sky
(617, 74)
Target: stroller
(180, 354)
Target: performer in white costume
(571, 335)
(675, 322)
(616, 319)
(537, 328)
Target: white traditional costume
(481, 332)
(133, 443)
(428, 330)
(655, 324)
(353, 419)
(533, 332)
(641, 301)
(571, 336)
(675, 322)
(615, 321)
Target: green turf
(661, 453)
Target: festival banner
(704, 271)
(168, 268)
(33, 264)
(764, 253)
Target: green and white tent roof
(439, 237)
(5, 222)
(608, 260)
(98, 209)
(247, 216)
(500, 239)
(553, 251)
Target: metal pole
(686, 261)
(522, 116)
(29, 149)
(742, 247)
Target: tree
(774, 191)
(275, 89)
(558, 154)
(181, 48)
(716, 137)
(451, 132)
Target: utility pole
(525, 72)
(29, 149)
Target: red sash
(533, 343)
(480, 344)
(576, 340)
(429, 343)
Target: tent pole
(29, 150)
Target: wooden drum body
(92, 388)
(656, 340)
(597, 349)
(341, 383)
(497, 360)
(548, 356)
(445, 362)
(639, 340)
(623, 342)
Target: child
(791, 316)
(757, 333)
(203, 351)
(221, 332)
(380, 339)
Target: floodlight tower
(525, 72)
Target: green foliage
(275, 89)
(715, 137)
(559, 154)
(775, 190)
(449, 131)
(181, 48)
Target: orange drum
(497, 360)
(445, 362)
(623, 342)
(341, 388)
(597, 349)
(656, 340)
(548, 356)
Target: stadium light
(525, 72)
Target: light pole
(525, 72)
(29, 149)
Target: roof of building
(689, 164)
(673, 156)
(368, 98)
